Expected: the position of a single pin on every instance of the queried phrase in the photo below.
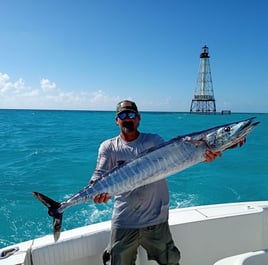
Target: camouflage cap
(126, 105)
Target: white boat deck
(206, 235)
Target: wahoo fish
(153, 165)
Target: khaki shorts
(156, 240)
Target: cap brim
(125, 109)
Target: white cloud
(6, 85)
(16, 94)
(47, 86)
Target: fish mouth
(249, 125)
(246, 128)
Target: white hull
(222, 234)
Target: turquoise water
(54, 152)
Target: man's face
(128, 121)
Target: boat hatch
(8, 252)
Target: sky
(90, 54)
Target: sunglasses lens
(124, 115)
(132, 115)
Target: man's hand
(102, 198)
(240, 143)
(210, 156)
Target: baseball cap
(126, 105)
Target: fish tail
(53, 207)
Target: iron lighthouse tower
(203, 100)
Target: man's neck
(130, 136)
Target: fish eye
(227, 129)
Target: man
(140, 217)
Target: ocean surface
(54, 152)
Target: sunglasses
(124, 115)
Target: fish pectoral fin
(196, 143)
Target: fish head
(223, 137)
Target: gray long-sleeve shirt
(145, 206)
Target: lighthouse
(203, 101)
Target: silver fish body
(155, 164)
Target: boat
(218, 234)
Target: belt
(150, 228)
